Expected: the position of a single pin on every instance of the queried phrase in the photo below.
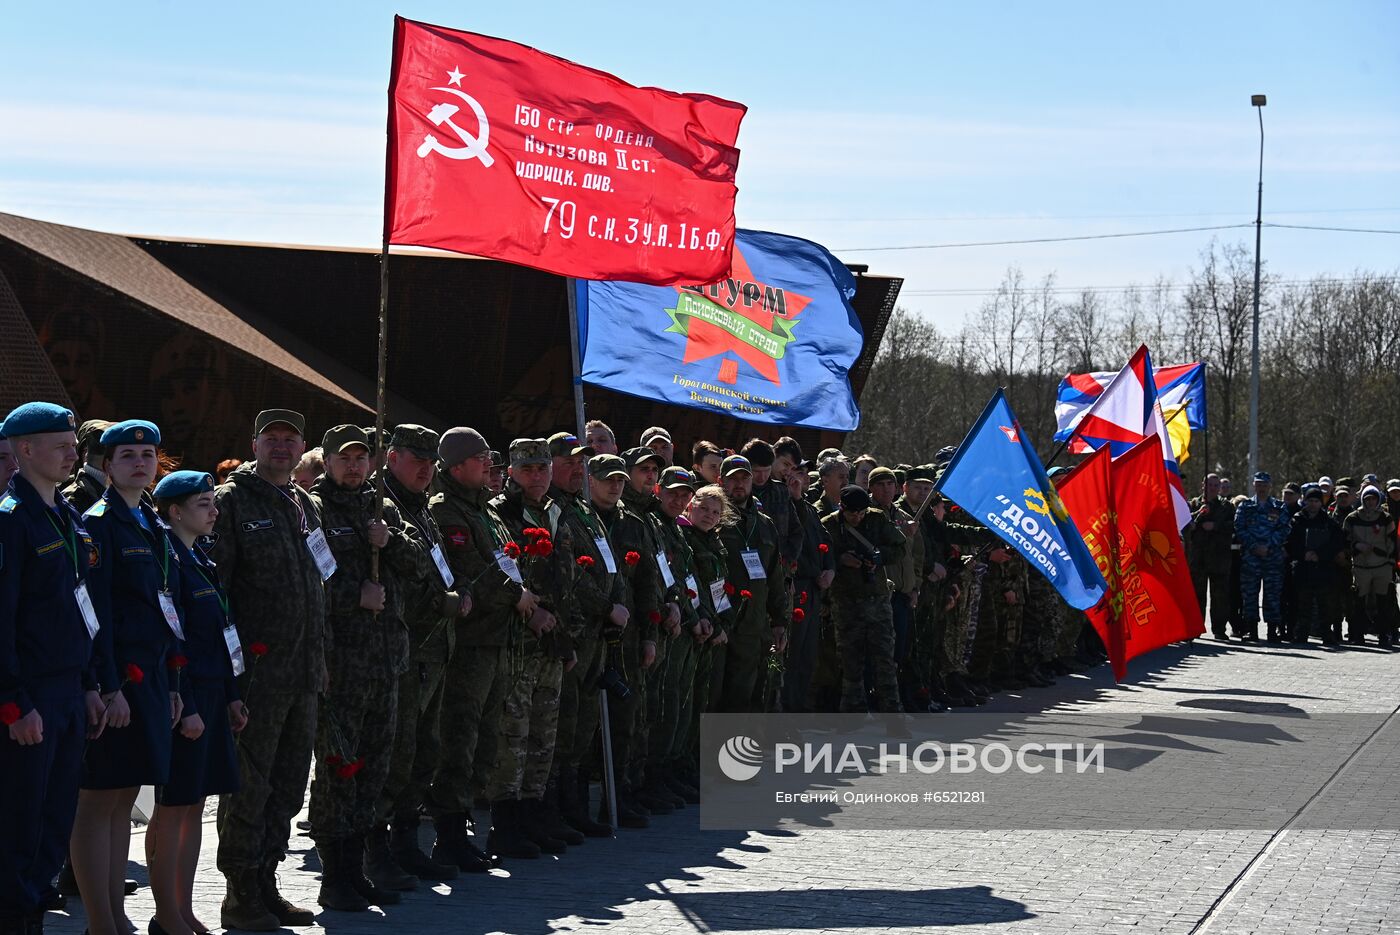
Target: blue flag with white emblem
(773, 343)
(997, 477)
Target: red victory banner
(500, 150)
(1087, 495)
(1125, 513)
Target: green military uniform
(276, 598)
(860, 606)
(368, 652)
(905, 576)
(1208, 556)
(630, 537)
(711, 566)
(86, 488)
(754, 535)
(431, 606)
(477, 672)
(813, 558)
(670, 700)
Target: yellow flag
(1179, 430)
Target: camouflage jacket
(428, 601)
(882, 534)
(777, 503)
(682, 562)
(711, 567)
(811, 560)
(642, 592)
(472, 533)
(754, 530)
(595, 588)
(365, 643)
(84, 490)
(1211, 547)
(645, 505)
(274, 588)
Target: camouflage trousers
(1040, 627)
(865, 633)
(676, 688)
(355, 725)
(803, 640)
(1213, 581)
(627, 719)
(528, 728)
(473, 691)
(274, 759)
(737, 672)
(417, 734)
(963, 621)
(1268, 572)
(578, 704)
(705, 656)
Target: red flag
(502, 151)
(1087, 495)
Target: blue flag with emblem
(773, 343)
(997, 477)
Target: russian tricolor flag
(1127, 410)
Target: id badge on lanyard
(666, 576)
(753, 565)
(508, 565)
(321, 552)
(235, 649)
(693, 587)
(444, 571)
(717, 595)
(606, 551)
(89, 612)
(172, 614)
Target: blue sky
(870, 125)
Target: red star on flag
(1012, 432)
(706, 340)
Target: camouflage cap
(498, 460)
(831, 464)
(416, 439)
(343, 436)
(525, 451)
(924, 472)
(92, 430)
(270, 417)
(734, 464)
(829, 454)
(602, 467)
(677, 478)
(653, 433)
(566, 445)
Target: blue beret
(36, 419)
(131, 432)
(1262, 477)
(179, 484)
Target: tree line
(1329, 400)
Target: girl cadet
(135, 583)
(203, 759)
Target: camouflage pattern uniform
(477, 673)
(1261, 524)
(430, 612)
(368, 652)
(676, 684)
(643, 506)
(711, 566)
(804, 635)
(860, 607)
(750, 634)
(85, 489)
(276, 598)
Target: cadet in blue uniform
(135, 583)
(45, 654)
(1261, 525)
(203, 759)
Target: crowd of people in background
(430, 622)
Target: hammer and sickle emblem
(474, 147)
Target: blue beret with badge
(179, 484)
(37, 419)
(131, 432)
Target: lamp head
(1257, 100)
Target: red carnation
(632, 558)
(690, 594)
(798, 615)
(9, 713)
(802, 598)
(347, 770)
(512, 550)
(584, 561)
(543, 547)
(258, 650)
(823, 548)
(654, 616)
(729, 589)
(746, 594)
(177, 662)
(134, 675)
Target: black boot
(534, 824)
(627, 817)
(687, 793)
(243, 906)
(454, 847)
(573, 805)
(355, 874)
(286, 913)
(403, 844)
(507, 837)
(337, 892)
(381, 867)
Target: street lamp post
(1257, 101)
